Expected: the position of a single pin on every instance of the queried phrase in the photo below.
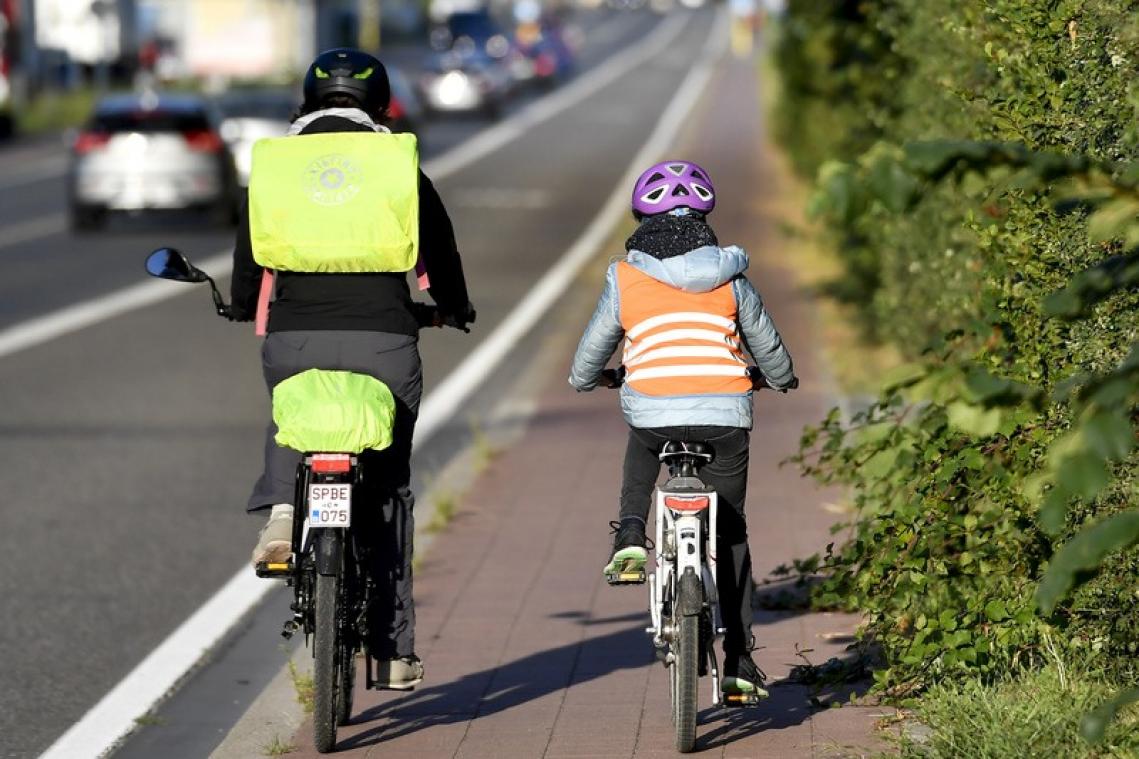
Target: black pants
(385, 514)
(727, 475)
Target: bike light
(687, 502)
(331, 463)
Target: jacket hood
(697, 271)
(351, 114)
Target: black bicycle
(333, 591)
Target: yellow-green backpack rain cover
(323, 411)
(338, 202)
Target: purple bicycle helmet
(669, 185)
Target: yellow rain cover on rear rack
(322, 411)
(339, 202)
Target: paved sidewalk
(528, 652)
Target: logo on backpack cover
(332, 180)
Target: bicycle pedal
(625, 578)
(274, 569)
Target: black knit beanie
(665, 235)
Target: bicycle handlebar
(614, 378)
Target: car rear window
(151, 121)
(258, 108)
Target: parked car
(465, 82)
(149, 151)
(249, 115)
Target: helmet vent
(679, 191)
(656, 177)
(654, 196)
(677, 168)
(702, 191)
(697, 175)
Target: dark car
(473, 32)
(464, 82)
(150, 151)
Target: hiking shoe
(629, 543)
(742, 677)
(275, 543)
(403, 673)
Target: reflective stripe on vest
(679, 343)
(335, 202)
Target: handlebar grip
(613, 378)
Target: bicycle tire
(326, 662)
(686, 661)
(346, 683)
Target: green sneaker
(629, 554)
(743, 681)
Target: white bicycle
(683, 602)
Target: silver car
(150, 151)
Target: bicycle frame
(685, 510)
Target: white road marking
(100, 729)
(32, 229)
(37, 331)
(42, 169)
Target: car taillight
(89, 141)
(204, 141)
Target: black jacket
(371, 302)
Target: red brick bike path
(528, 652)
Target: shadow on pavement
(496, 689)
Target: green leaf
(1083, 554)
(1113, 219)
(1054, 509)
(996, 611)
(1094, 724)
(1083, 474)
(903, 376)
(974, 420)
(1109, 434)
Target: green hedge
(960, 150)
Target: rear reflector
(687, 503)
(331, 463)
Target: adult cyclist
(360, 321)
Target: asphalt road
(129, 447)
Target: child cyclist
(687, 314)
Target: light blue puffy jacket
(698, 271)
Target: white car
(149, 151)
(250, 115)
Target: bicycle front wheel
(326, 662)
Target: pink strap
(261, 324)
(421, 274)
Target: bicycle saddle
(697, 450)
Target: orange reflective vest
(680, 343)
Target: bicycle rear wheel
(684, 672)
(326, 662)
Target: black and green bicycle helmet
(345, 71)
